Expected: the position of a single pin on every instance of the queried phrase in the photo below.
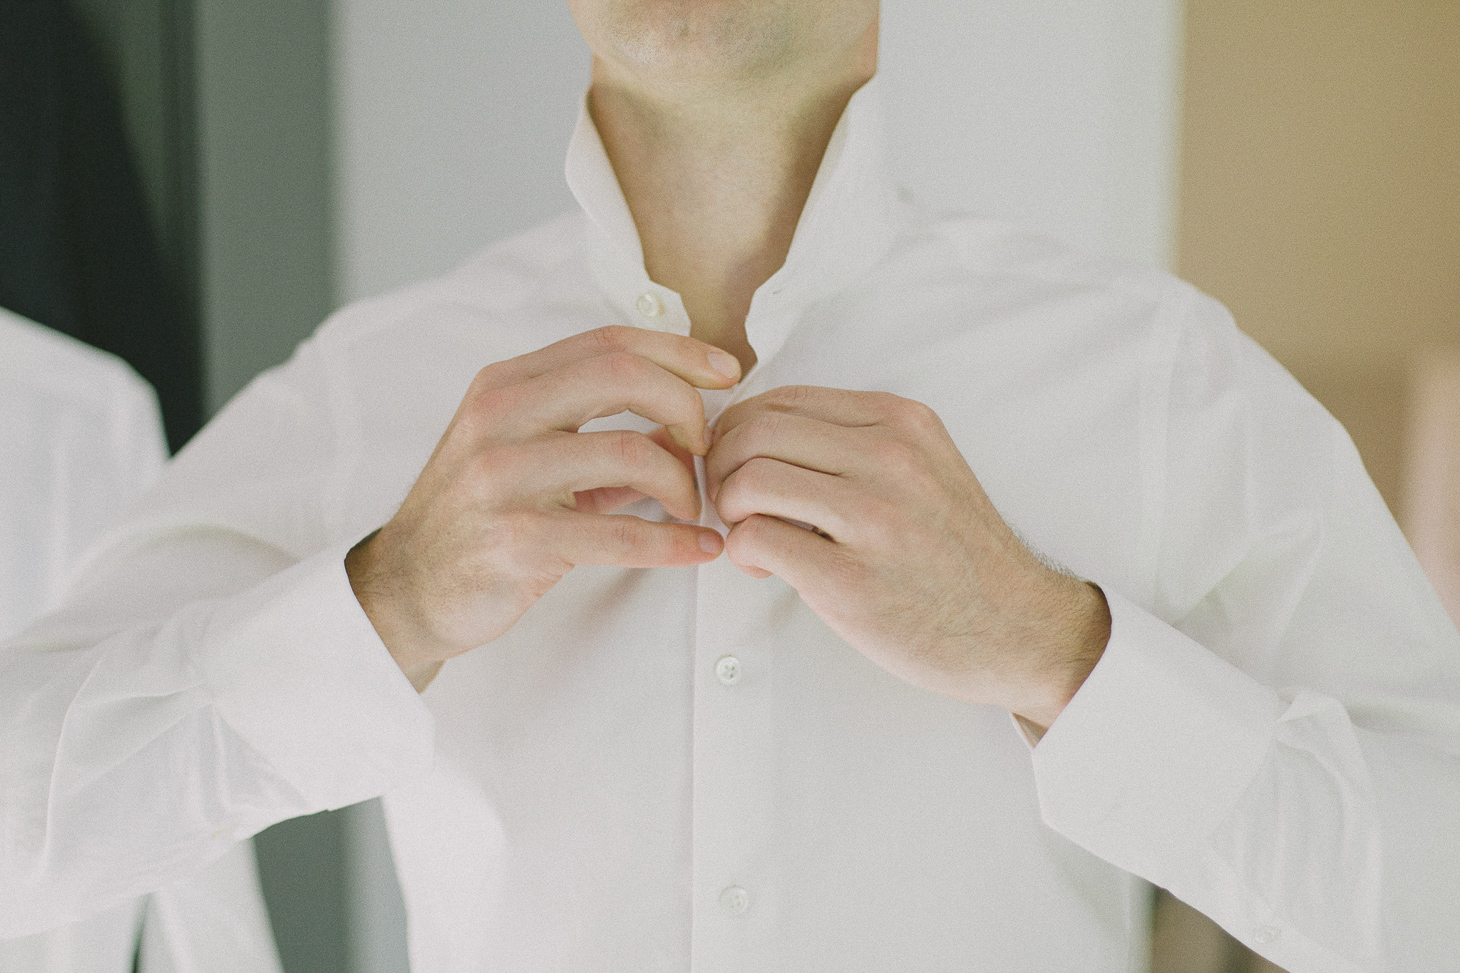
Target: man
(632, 752)
(81, 440)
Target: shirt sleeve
(102, 468)
(211, 674)
(1273, 732)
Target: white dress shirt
(685, 769)
(80, 441)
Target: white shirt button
(735, 900)
(649, 305)
(727, 670)
(1263, 935)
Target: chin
(716, 41)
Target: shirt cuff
(296, 669)
(1155, 748)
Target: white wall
(452, 117)
(451, 121)
(1058, 114)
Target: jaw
(676, 50)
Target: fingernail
(710, 542)
(724, 364)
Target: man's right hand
(514, 496)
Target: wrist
(372, 590)
(1079, 631)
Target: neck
(716, 181)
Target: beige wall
(1320, 193)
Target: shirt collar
(845, 229)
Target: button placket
(734, 758)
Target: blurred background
(195, 184)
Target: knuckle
(916, 415)
(610, 338)
(684, 406)
(765, 428)
(757, 529)
(894, 457)
(746, 540)
(736, 547)
(756, 475)
(491, 401)
(780, 398)
(717, 468)
(768, 472)
(629, 447)
(766, 532)
(481, 381)
(624, 367)
(792, 395)
(623, 533)
(690, 399)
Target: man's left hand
(909, 561)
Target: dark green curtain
(78, 251)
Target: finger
(910, 419)
(701, 365)
(771, 488)
(605, 500)
(784, 436)
(568, 397)
(842, 407)
(664, 438)
(574, 463)
(608, 499)
(620, 540)
(761, 546)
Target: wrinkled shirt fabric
(1272, 733)
(80, 441)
